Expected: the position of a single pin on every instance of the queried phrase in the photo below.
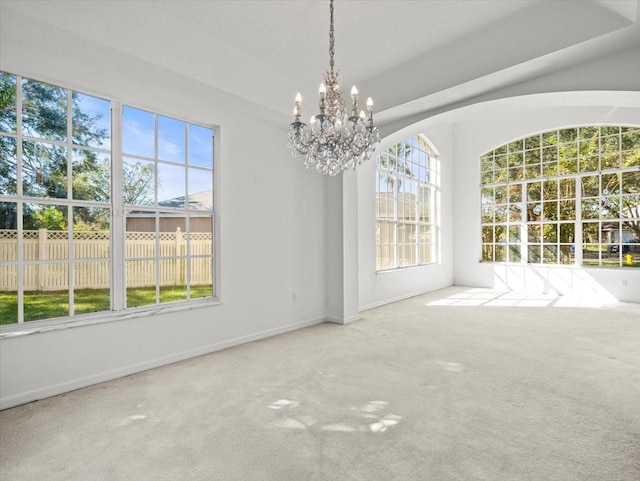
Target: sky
(174, 136)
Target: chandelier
(333, 141)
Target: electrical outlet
(294, 297)
(623, 282)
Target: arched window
(546, 194)
(407, 183)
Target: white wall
(271, 214)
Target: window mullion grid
(187, 254)
(156, 259)
(524, 236)
(416, 222)
(71, 255)
(118, 231)
(19, 204)
(155, 203)
(578, 240)
(20, 279)
(396, 196)
(19, 138)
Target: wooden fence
(91, 251)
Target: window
(543, 195)
(66, 248)
(407, 179)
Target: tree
(44, 163)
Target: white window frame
(118, 309)
(573, 251)
(428, 181)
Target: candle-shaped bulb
(297, 110)
(369, 104)
(362, 116)
(322, 89)
(354, 93)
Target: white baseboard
(399, 298)
(338, 320)
(61, 388)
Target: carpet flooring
(444, 386)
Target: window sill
(33, 327)
(400, 269)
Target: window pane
(138, 132)
(200, 189)
(487, 252)
(567, 188)
(91, 175)
(141, 283)
(46, 235)
(567, 233)
(201, 235)
(91, 121)
(44, 170)
(631, 182)
(200, 146)
(173, 276)
(8, 294)
(549, 254)
(8, 232)
(566, 254)
(91, 292)
(550, 233)
(7, 102)
(8, 166)
(171, 139)
(514, 254)
(534, 191)
(46, 292)
(44, 110)
(568, 135)
(201, 274)
(138, 182)
(534, 254)
(141, 234)
(171, 185)
(91, 232)
(172, 235)
(534, 233)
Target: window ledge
(18, 330)
(400, 269)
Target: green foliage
(45, 165)
(138, 183)
(50, 218)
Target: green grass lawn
(45, 305)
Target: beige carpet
(416, 390)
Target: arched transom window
(566, 196)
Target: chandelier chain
(331, 36)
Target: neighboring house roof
(200, 200)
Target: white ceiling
(409, 55)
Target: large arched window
(545, 194)
(406, 198)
